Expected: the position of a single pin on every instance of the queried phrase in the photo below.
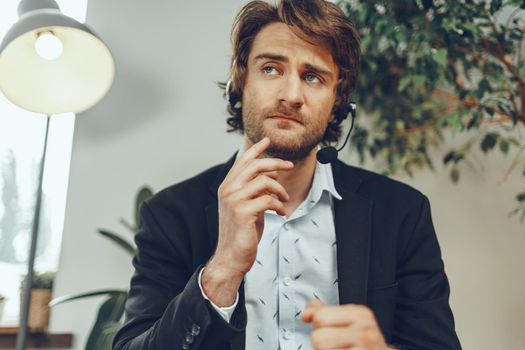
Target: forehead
(278, 38)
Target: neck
(296, 182)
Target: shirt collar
(323, 179)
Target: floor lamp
(50, 64)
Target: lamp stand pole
(28, 283)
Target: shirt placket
(286, 289)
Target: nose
(291, 92)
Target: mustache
(291, 113)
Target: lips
(287, 117)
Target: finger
(262, 203)
(251, 169)
(254, 151)
(262, 185)
(312, 306)
(238, 177)
(342, 315)
(331, 338)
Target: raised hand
(249, 189)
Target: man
(273, 250)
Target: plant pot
(38, 319)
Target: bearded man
(274, 250)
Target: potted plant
(42, 287)
(109, 316)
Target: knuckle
(223, 191)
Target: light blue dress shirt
(296, 262)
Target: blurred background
(164, 121)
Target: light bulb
(48, 46)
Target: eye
(269, 70)
(312, 78)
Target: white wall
(164, 120)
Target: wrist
(223, 267)
(220, 284)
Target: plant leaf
(449, 157)
(495, 5)
(144, 193)
(71, 297)
(403, 83)
(440, 57)
(504, 146)
(121, 242)
(109, 330)
(110, 311)
(489, 141)
(419, 80)
(454, 175)
(127, 225)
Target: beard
(284, 144)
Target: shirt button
(287, 335)
(286, 226)
(287, 281)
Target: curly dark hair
(318, 22)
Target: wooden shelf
(37, 340)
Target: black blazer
(388, 258)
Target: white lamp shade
(73, 82)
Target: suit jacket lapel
(352, 216)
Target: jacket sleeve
(165, 308)
(423, 318)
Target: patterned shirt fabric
(296, 262)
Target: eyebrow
(282, 58)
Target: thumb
(310, 309)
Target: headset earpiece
(342, 112)
(233, 98)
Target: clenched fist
(343, 327)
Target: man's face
(289, 92)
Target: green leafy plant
(43, 280)
(109, 315)
(430, 66)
